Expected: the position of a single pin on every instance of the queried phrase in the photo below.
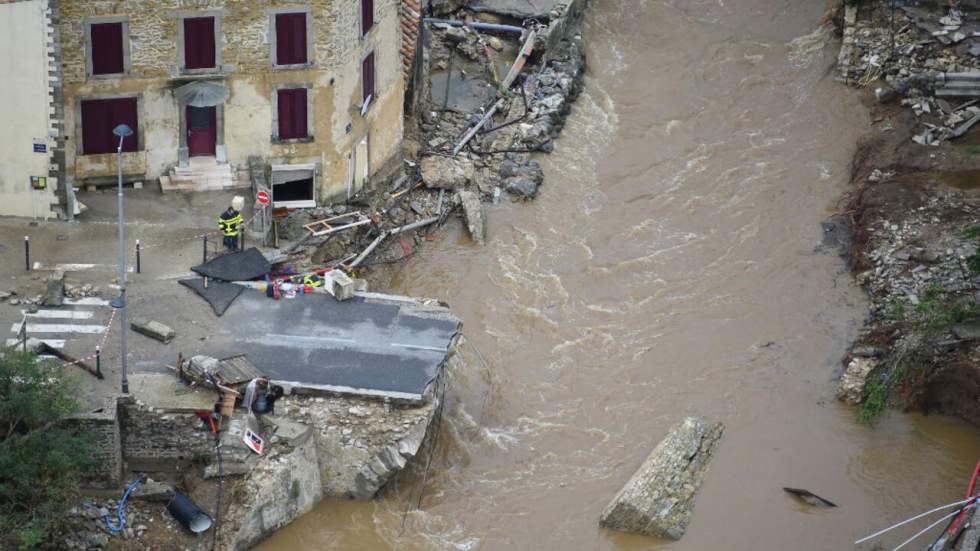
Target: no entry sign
(262, 197)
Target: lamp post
(120, 303)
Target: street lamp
(120, 303)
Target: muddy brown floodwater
(670, 267)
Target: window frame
(310, 132)
(367, 102)
(365, 31)
(89, 51)
(273, 37)
(181, 42)
(80, 130)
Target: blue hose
(119, 511)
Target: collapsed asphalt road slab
(371, 345)
(241, 266)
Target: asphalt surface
(359, 346)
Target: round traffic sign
(262, 197)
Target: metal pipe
(477, 26)
(27, 253)
(138, 263)
(205, 261)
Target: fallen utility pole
(377, 241)
(45, 348)
(475, 25)
(515, 70)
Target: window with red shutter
(367, 77)
(291, 39)
(107, 48)
(367, 16)
(99, 117)
(292, 113)
(199, 43)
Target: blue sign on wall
(40, 147)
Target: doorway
(202, 131)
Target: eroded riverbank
(668, 267)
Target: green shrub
(40, 462)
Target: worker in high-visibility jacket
(230, 223)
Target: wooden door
(202, 133)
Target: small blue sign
(40, 148)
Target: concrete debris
(659, 499)
(852, 387)
(473, 211)
(154, 330)
(55, 294)
(446, 173)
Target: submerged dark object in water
(809, 497)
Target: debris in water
(809, 497)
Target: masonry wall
(24, 109)
(155, 441)
(103, 427)
(247, 71)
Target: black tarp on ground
(219, 294)
(242, 266)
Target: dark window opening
(292, 113)
(99, 117)
(291, 39)
(200, 118)
(199, 43)
(296, 190)
(107, 48)
(367, 77)
(367, 16)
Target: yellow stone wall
(247, 71)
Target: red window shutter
(291, 39)
(107, 48)
(199, 43)
(367, 16)
(367, 77)
(99, 117)
(292, 114)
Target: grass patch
(940, 309)
(880, 391)
(971, 149)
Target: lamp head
(122, 131)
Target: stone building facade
(312, 87)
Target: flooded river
(670, 267)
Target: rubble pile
(436, 183)
(928, 54)
(913, 263)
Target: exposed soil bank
(912, 208)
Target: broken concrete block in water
(154, 330)
(659, 499)
(473, 210)
(446, 172)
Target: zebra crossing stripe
(34, 328)
(87, 301)
(60, 314)
(53, 343)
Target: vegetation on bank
(926, 325)
(41, 462)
